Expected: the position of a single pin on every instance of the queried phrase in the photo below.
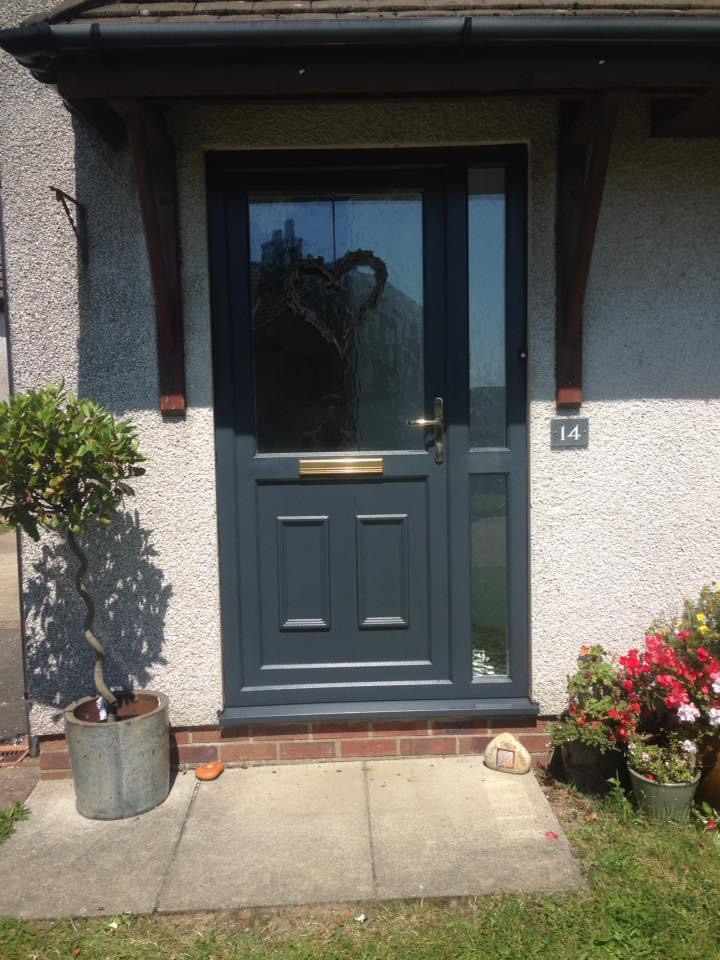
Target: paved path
(12, 704)
(17, 783)
(297, 834)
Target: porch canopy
(116, 63)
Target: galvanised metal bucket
(120, 769)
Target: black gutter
(37, 45)
(84, 37)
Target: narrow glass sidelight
(486, 306)
(337, 311)
(489, 566)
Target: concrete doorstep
(291, 835)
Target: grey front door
(365, 558)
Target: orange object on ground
(210, 771)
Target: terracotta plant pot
(663, 801)
(709, 789)
(120, 769)
(588, 769)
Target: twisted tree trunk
(97, 647)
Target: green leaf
(63, 461)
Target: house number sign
(569, 432)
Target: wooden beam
(590, 214)
(695, 117)
(153, 154)
(101, 117)
(579, 199)
(580, 126)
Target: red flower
(684, 634)
(649, 776)
(712, 824)
(614, 714)
(629, 685)
(635, 707)
(703, 654)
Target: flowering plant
(709, 818)
(595, 695)
(674, 684)
(671, 761)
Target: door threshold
(380, 710)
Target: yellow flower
(700, 617)
(704, 628)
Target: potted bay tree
(65, 465)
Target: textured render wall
(95, 328)
(624, 530)
(618, 532)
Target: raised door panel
(303, 573)
(344, 581)
(383, 585)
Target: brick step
(289, 743)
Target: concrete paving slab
(274, 836)
(451, 827)
(13, 715)
(290, 835)
(9, 596)
(13, 720)
(18, 782)
(59, 864)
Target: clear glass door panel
(337, 310)
(489, 567)
(486, 303)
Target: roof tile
(141, 10)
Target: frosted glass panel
(486, 272)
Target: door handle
(438, 424)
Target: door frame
(491, 695)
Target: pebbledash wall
(619, 532)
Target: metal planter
(119, 769)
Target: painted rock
(507, 754)
(210, 771)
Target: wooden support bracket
(579, 198)
(102, 118)
(153, 154)
(692, 117)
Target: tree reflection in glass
(338, 342)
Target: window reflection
(488, 524)
(486, 273)
(337, 306)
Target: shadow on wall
(117, 358)
(132, 599)
(651, 328)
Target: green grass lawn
(8, 819)
(652, 894)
